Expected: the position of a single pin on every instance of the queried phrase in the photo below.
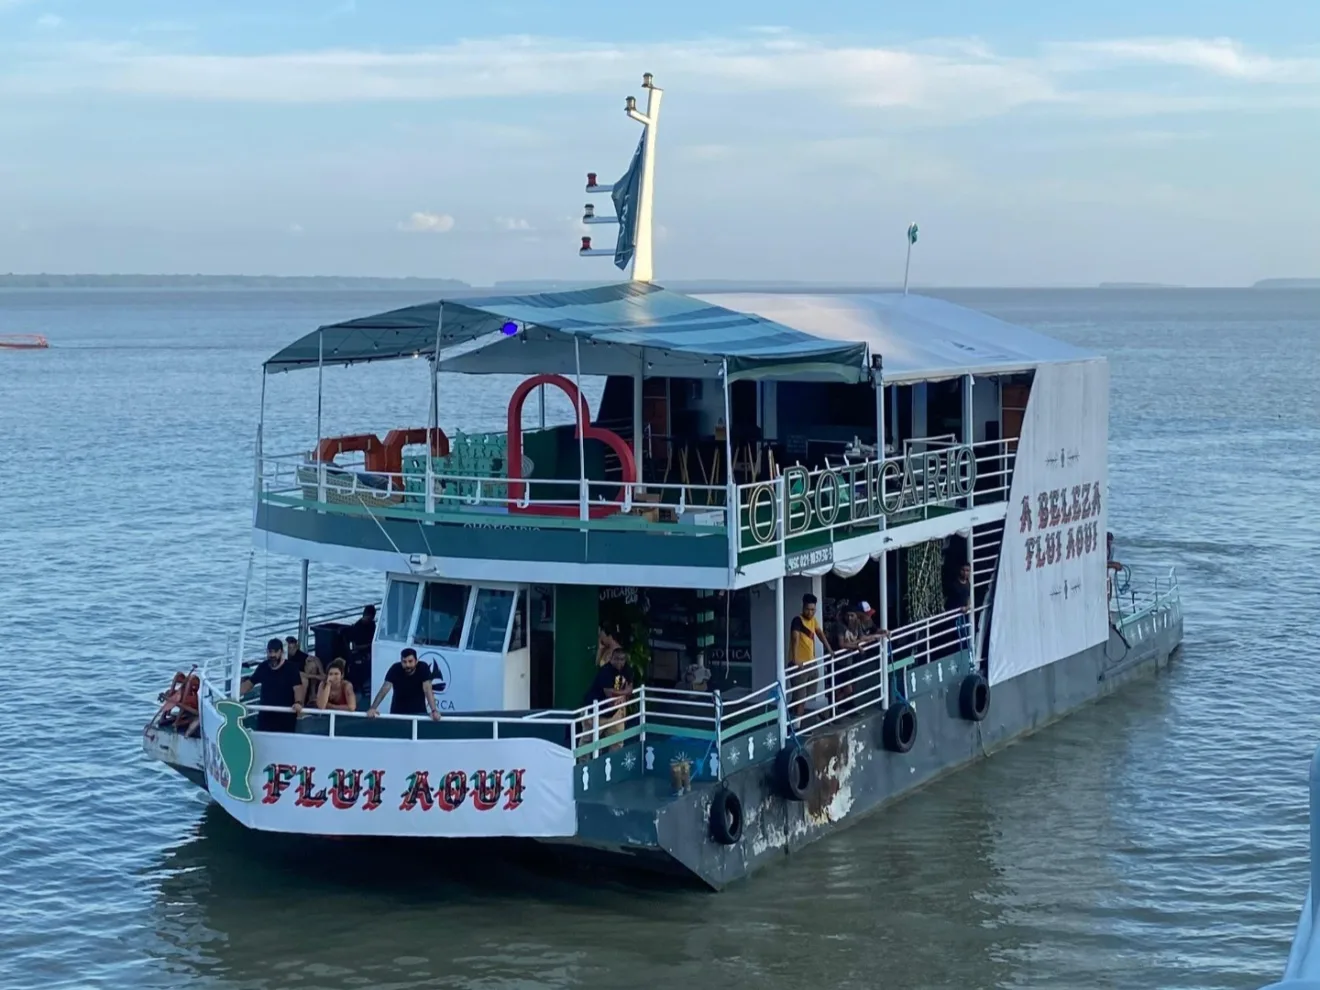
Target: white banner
(1050, 597)
(296, 782)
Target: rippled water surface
(1157, 839)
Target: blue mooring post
(1303, 969)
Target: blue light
(509, 329)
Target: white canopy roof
(919, 338)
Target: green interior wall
(577, 618)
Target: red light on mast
(586, 244)
(591, 178)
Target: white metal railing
(804, 503)
(849, 681)
(257, 635)
(1128, 603)
(295, 477)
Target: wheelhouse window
(444, 607)
(399, 603)
(490, 620)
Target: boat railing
(832, 500)
(218, 670)
(850, 681)
(1128, 603)
(294, 479)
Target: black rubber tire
(726, 818)
(974, 698)
(899, 732)
(794, 772)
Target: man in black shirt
(411, 683)
(282, 686)
(960, 595)
(611, 687)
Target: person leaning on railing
(282, 686)
(411, 683)
(611, 689)
(336, 693)
(802, 635)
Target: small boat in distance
(23, 342)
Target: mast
(633, 195)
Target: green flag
(912, 234)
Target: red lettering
(1072, 542)
(453, 792)
(514, 790)
(1040, 551)
(345, 788)
(375, 790)
(1043, 510)
(306, 797)
(487, 785)
(1024, 521)
(1077, 503)
(1095, 499)
(1055, 514)
(278, 778)
(417, 792)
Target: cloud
(1217, 56)
(428, 223)
(48, 22)
(296, 229)
(942, 78)
(512, 224)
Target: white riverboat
(749, 449)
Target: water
(1157, 839)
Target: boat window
(444, 607)
(399, 604)
(518, 638)
(490, 620)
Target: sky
(1035, 143)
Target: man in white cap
(868, 629)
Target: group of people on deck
(289, 677)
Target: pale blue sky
(1035, 142)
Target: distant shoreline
(349, 282)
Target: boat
(1302, 970)
(754, 457)
(23, 342)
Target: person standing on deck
(411, 683)
(283, 685)
(802, 636)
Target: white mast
(642, 265)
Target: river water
(1156, 839)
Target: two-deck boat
(749, 448)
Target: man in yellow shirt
(802, 636)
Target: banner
(1051, 598)
(295, 782)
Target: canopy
(918, 338)
(622, 329)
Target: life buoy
(974, 697)
(899, 731)
(793, 772)
(726, 817)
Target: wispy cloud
(946, 78)
(48, 22)
(512, 224)
(428, 223)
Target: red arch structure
(518, 487)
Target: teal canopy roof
(610, 329)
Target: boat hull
(641, 826)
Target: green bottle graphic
(235, 746)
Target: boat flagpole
(320, 381)
(633, 195)
(911, 239)
(435, 414)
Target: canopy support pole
(882, 605)
(320, 382)
(434, 425)
(969, 424)
(638, 377)
(302, 607)
(260, 460)
(581, 415)
(731, 510)
(781, 673)
(236, 673)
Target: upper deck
(654, 486)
